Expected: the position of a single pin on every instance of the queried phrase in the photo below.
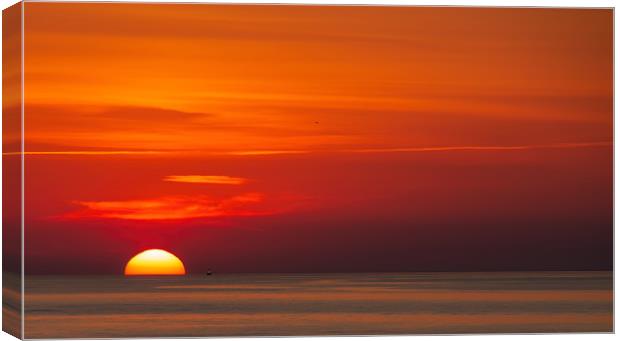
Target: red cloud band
(174, 207)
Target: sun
(154, 262)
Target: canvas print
(196, 170)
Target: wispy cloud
(480, 148)
(265, 152)
(566, 145)
(206, 179)
(92, 152)
(172, 208)
(153, 152)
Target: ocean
(317, 304)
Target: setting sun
(154, 262)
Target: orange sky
(264, 131)
(235, 78)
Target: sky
(317, 139)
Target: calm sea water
(318, 304)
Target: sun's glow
(154, 262)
